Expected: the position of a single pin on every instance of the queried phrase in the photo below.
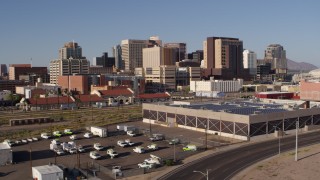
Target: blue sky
(38, 28)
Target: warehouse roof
(239, 107)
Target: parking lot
(127, 159)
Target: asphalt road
(226, 164)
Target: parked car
(72, 150)
(131, 133)
(45, 136)
(98, 146)
(139, 149)
(174, 141)
(59, 151)
(112, 153)
(95, 155)
(157, 137)
(153, 147)
(29, 139)
(73, 137)
(129, 143)
(68, 132)
(81, 149)
(35, 139)
(153, 159)
(190, 147)
(24, 141)
(88, 135)
(57, 134)
(121, 143)
(17, 142)
(56, 141)
(145, 165)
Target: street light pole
(204, 174)
(297, 127)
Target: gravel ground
(284, 166)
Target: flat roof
(237, 107)
(4, 146)
(48, 169)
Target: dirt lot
(41, 155)
(284, 166)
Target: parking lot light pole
(204, 174)
(174, 151)
(206, 135)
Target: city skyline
(37, 30)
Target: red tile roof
(116, 92)
(151, 96)
(86, 98)
(50, 100)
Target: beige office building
(69, 66)
(132, 53)
(158, 56)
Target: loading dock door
(171, 122)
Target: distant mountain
(300, 66)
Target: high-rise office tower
(3, 69)
(67, 64)
(132, 51)
(157, 56)
(104, 61)
(250, 61)
(117, 54)
(196, 56)
(223, 58)
(70, 49)
(276, 55)
(181, 50)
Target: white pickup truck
(98, 146)
(94, 155)
(112, 153)
(45, 136)
(139, 149)
(121, 143)
(131, 133)
(153, 147)
(145, 165)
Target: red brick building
(310, 90)
(77, 83)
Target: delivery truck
(99, 131)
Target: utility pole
(174, 151)
(297, 127)
(206, 135)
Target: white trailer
(47, 172)
(129, 128)
(99, 131)
(120, 127)
(5, 154)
